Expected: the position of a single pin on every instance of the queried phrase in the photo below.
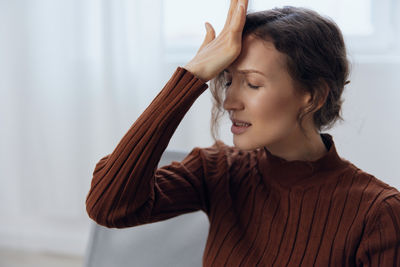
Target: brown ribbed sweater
(263, 210)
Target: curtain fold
(74, 76)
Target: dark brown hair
(315, 56)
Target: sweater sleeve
(381, 243)
(126, 188)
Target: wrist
(195, 71)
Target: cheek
(275, 108)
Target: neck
(299, 147)
(291, 172)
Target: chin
(243, 145)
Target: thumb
(209, 36)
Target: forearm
(124, 181)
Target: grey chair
(179, 241)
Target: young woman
(281, 196)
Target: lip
(239, 129)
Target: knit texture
(263, 210)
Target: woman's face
(261, 92)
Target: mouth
(239, 127)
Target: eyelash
(250, 85)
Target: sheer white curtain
(74, 75)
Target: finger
(239, 17)
(231, 12)
(210, 35)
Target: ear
(324, 94)
(308, 98)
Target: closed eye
(227, 84)
(253, 86)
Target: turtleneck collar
(299, 172)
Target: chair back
(178, 241)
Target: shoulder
(385, 217)
(386, 197)
(368, 181)
(380, 241)
(379, 195)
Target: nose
(233, 100)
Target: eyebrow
(246, 71)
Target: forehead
(259, 54)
